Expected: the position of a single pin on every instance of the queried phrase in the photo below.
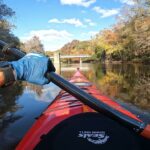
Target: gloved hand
(33, 68)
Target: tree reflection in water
(8, 106)
(8, 101)
(126, 83)
(20, 104)
(134, 85)
(123, 82)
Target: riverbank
(129, 62)
(144, 60)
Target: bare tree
(33, 45)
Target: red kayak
(68, 124)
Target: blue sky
(57, 22)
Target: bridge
(73, 56)
(57, 58)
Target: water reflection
(8, 105)
(21, 103)
(126, 83)
(8, 95)
(130, 83)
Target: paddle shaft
(11, 51)
(86, 98)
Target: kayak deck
(66, 106)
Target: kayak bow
(68, 120)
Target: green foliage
(5, 11)
(146, 60)
(129, 39)
(5, 26)
(49, 53)
(98, 51)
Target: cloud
(90, 22)
(84, 3)
(72, 21)
(54, 20)
(51, 39)
(128, 2)
(106, 12)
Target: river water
(22, 102)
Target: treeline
(77, 47)
(32, 45)
(127, 40)
(6, 26)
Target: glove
(33, 68)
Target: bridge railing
(73, 56)
(57, 58)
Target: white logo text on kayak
(95, 137)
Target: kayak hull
(65, 107)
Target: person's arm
(2, 79)
(7, 75)
(31, 68)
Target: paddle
(138, 126)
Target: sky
(57, 22)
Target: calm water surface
(21, 103)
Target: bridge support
(80, 61)
(57, 62)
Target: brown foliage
(33, 45)
(77, 47)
